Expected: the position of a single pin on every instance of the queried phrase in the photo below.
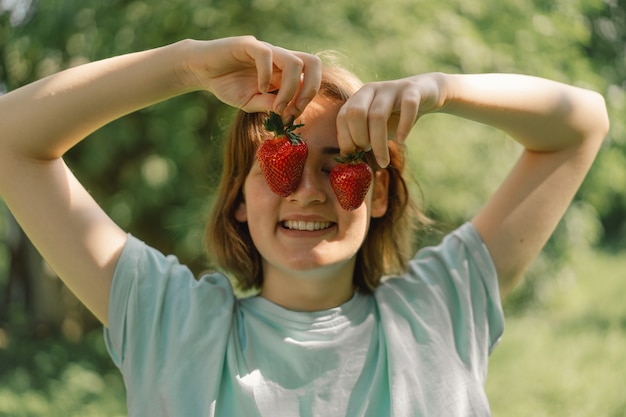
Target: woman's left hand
(387, 110)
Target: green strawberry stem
(351, 158)
(274, 124)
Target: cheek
(261, 204)
(357, 224)
(258, 194)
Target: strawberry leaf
(274, 124)
(351, 158)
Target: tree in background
(154, 171)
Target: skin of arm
(561, 128)
(41, 121)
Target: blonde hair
(388, 244)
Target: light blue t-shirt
(418, 347)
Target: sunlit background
(564, 349)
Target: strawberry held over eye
(282, 158)
(350, 180)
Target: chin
(316, 268)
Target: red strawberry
(350, 180)
(282, 158)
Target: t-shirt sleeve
(470, 282)
(454, 286)
(157, 309)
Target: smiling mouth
(307, 226)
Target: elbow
(598, 116)
(590, 123)
(603, 120)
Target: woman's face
(308, 233)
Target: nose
(311, 189)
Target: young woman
(327, 335)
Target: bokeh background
(154, 172)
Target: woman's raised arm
(560, 126)
(41, 121)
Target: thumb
(259, 103)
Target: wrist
(444, 85)
(185, 78)
(433, 89)
(456, 94)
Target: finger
(352, 131)
(309, 85)
(344, 140)
(352, 122)
(290, 67)
(261, 54)
(409, 109)
(379, 114)
(260, 103)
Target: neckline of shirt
(343, 314)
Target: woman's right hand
(253, 75)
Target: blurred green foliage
(58, 378)
(567, 357)
(154, 170)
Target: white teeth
(302, 225)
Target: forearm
(542, 115)
(44, 119)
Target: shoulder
(461, 254)
(152, 295)
(455, 276)
(452, 290)
(143, 265)
(461, 250)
